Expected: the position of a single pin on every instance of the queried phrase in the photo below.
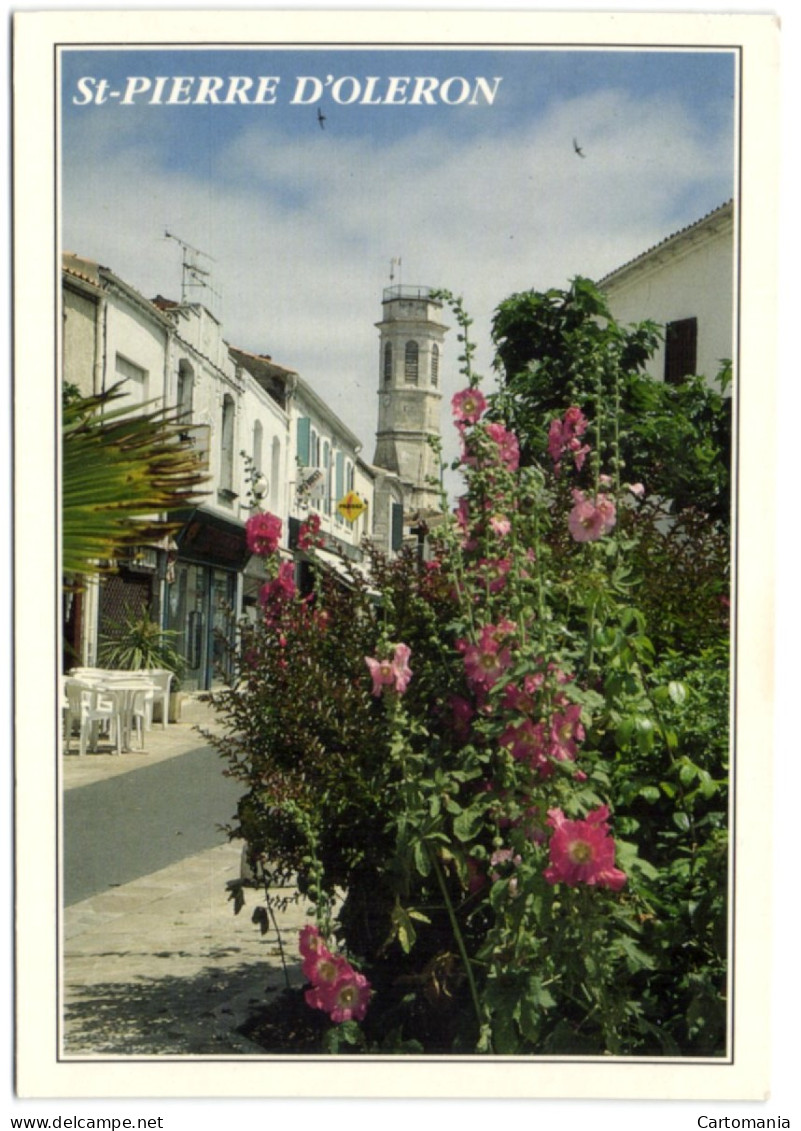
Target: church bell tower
(409, 394)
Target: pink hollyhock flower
(494, 573)
(608, 512)
(468, 406)
(394, 673)
(310, 941)
(400, 667)
(308, 535)
(636, 489)
(281, 589)
(500, 857)
(508, 447)
(462, 713)
(382, 672)
(263, 533)
(500, 525)
(566, 731)
(579, 453)
(323, 969)
(582, 852)
(486, 661)
(522, 700)
(575, 421)
(563, 437)
(555, 441)
(528, 744)
(349, 997)
(585, 522)
(588, 521)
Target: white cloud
(302, 231)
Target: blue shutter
(340, 476)
(304, 440)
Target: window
(681, 347)
(411, 368)
(435, 365)
(327, 481)
(134, 390)
(184, 390)
(304, 441)
(275, 473)
(396, 533)
(258, 436)
(227, 446)
(339, 481)
(387, 362)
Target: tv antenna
(194, 274)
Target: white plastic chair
(163, 681)
(92, 711)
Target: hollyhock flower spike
(508, 446)
(309, 533)
(563, 438)
(263, 533)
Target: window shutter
(397, 526)
(412, 363)
(681, 348)
(340, 476)
(304, 440)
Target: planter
(175, 709)
(176, 706)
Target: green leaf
(468, 824)
(677, 692)
(681, 821)
(421, 860)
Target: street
(137, 823)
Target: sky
(299, 222)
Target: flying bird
(578, 148)
(321, 118)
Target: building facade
(268, 441)
(686, 285)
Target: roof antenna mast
(194, 275)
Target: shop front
(204, 596)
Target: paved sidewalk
(161, 965)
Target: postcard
(356, 273)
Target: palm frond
(121, 473)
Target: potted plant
(140, 644)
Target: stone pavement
(161, 965)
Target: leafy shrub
(499, 776)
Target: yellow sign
(351, 506)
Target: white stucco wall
(693, 279)
(79, 345)
(137, 337)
